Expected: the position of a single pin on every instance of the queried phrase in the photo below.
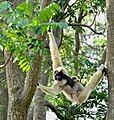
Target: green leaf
(23, 64)
(38, 30)
(63, 25)
(22, 61)
(26, 7)
(54, 25)
(23, 22)
(26, 68)
(48, 12)
(4, 6)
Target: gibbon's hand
(37, 83)
(103, 69)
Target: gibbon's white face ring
(61, 69)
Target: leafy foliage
(22, 27)
(4, 6)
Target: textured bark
(77, 41)
(3, 91)
(30, 113)
(103, 59)
(58, 36)
(44, 3)
(31, 83)
(76, 50)
(19, 99)
(3, 97)
(39, 112)
(14, 90)
(110, 56)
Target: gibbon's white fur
(77, 94)
(55, 56)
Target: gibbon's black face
(59, 75)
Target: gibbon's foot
(103, 69)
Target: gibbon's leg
(54, 90)
(55, 56)
(94, 80)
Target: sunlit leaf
(26, 68)
(26, 7)
(23, 64)
(48, 12)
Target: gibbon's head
(75, 78)
(60, 73)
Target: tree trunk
(14, 89)
(76, 50)
(110, 56)
(3, 91)
(39, 112)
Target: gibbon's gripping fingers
(54, 90)
(38, 84)
(94, 80)
(103, 69)
(55, 56)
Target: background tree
(110, 57)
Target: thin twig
(83, 25)
(92, 47)
(93, 19)
(64, 14)
(65, 5)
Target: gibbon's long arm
(55, 56)
(54, 90)
(94, 80)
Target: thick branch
(54, 109)
(31, 82)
